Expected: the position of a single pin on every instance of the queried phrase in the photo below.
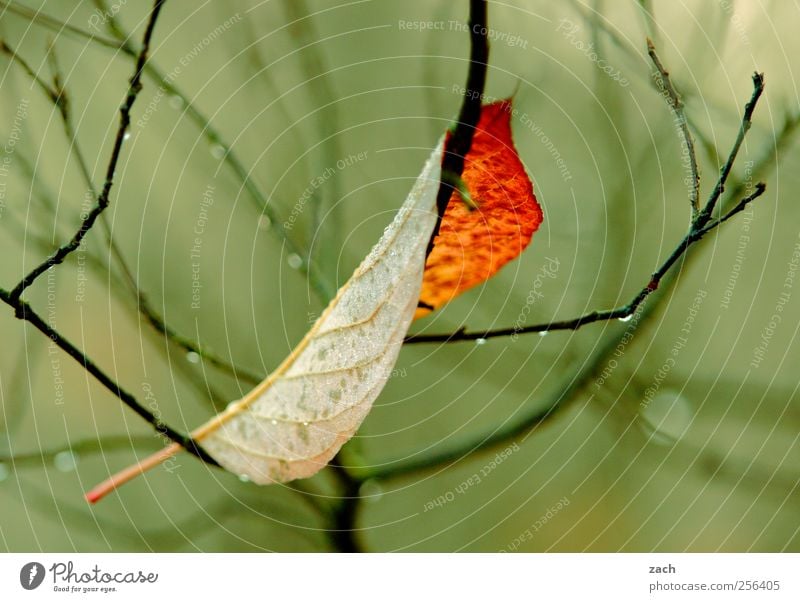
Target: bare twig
(696, 231)
(212, 135)
(758, 88)
(142, 303)
(103, 199)
(230, 158)
(12, 54)
(457, 147)
(620, 313)
(40, 18)
(577, 382)
(23, 311)
(539, 417)
(674, 99)
(343, 519)
(57, 93)
(117, 285)
(83, 446)
(460, 141)
(317, 77)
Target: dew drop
(543, 333)
(294, 261)
(371, 491)
(65, 461)
(193, 357)
(4, 472)
(176, 102)
(480, 341)
(244, 478)
(264, 222)
(274, 422)
(126, 136)
(626, 318)
(218, 151)
(305, 423)
(665, 417)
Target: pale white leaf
(295, 421)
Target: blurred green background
(276, 93)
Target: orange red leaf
(472, 245)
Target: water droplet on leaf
(193, 357)
(218, 151)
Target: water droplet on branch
(295, 261)
(65, 461)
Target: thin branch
(53, 24)
(758, 88)
(456, 148)
(116, 284)
(544, 416)
(187, 344)
(16, 58)
(537, 418)
(59, 96)
(696, 231)
(343, 519)
(620, 313)
(759, 190)
(317, 76)
(578, 382)
(675, 102)
(646, 9)
(83, 446)
(212, 135)
(621, 41)
(215, 138)
(460, 141)
(430, 461)
(785, 135)
(24, 311)
(103, 199)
